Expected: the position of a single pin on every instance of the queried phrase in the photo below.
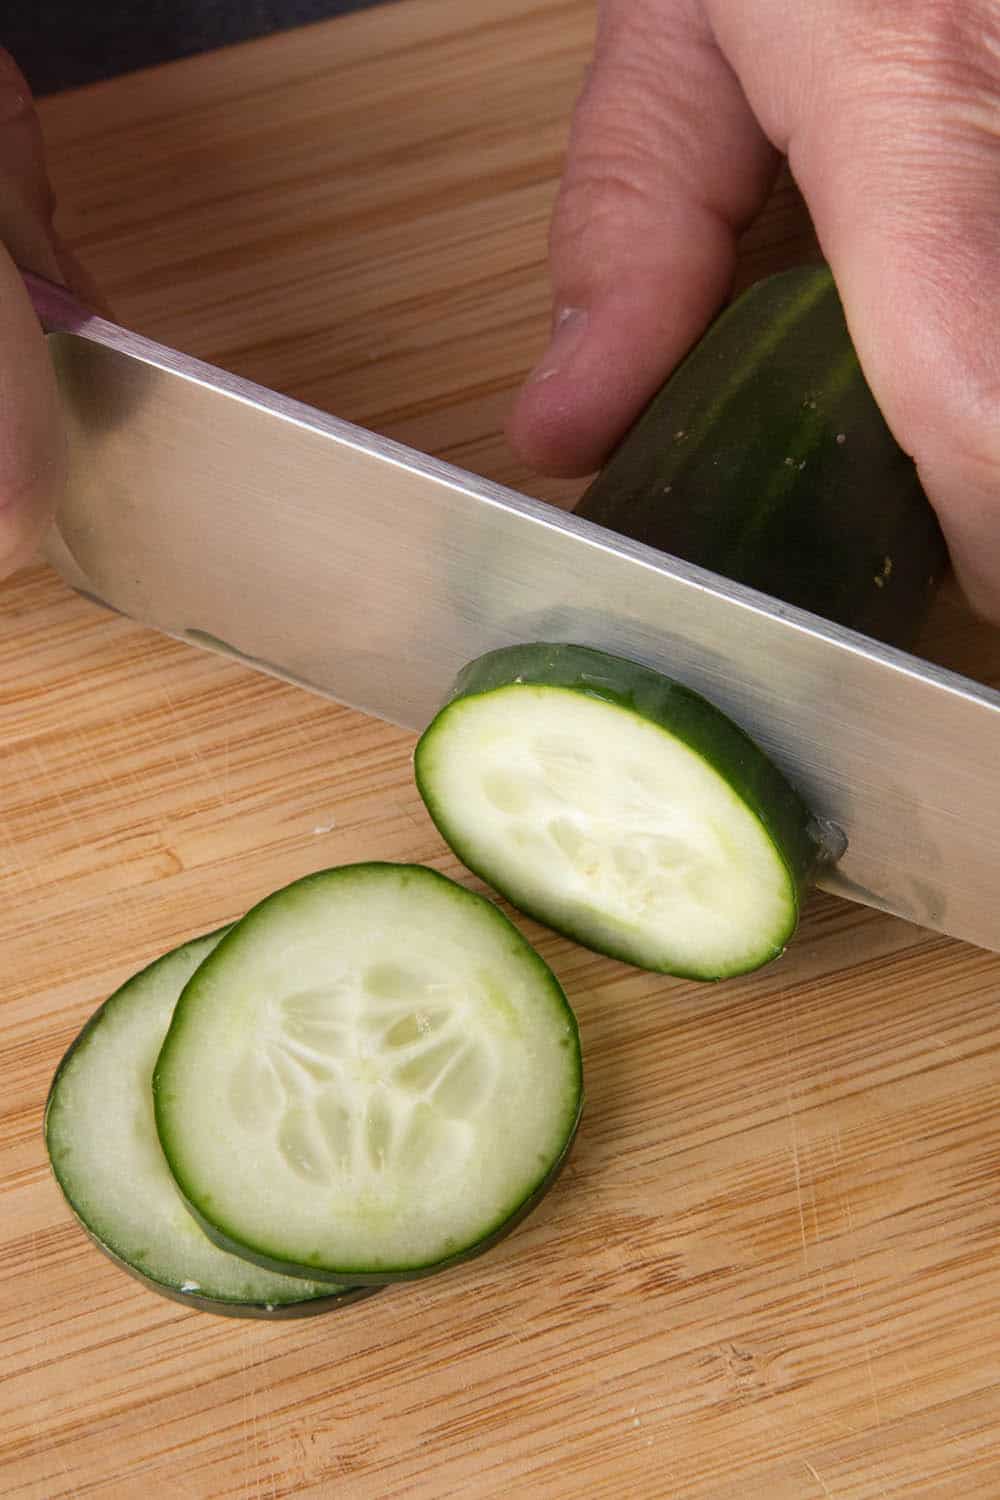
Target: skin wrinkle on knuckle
(639, 157)
(649, 28)
(861, 65)
(609, 209)
(627, 105)
(936, 51)
(928, 190)
(953, 93)
(934, 27)
(922, 170)
(919, 30)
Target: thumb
(666, 165)
(32, 450)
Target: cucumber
(765, 458)
(371, 1077)
(102, 1144)
(619, 808)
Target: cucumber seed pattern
(366, 1069)
(621, 834)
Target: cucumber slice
(102, 1143)
(619, 808)
(373, 1076)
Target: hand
(889, 114)
(32, 449)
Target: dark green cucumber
(372, 1076)
(765, 458)
(102, 1144)
(620, 809)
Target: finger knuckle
(940, 50)
(640, 154)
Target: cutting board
(771, 1270)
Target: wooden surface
(772, 1268)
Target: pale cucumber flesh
(101, 1138)
(370, 1077)
(619, 809)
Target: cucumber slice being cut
(372, 1076)
(620, 809)
(102, 1143)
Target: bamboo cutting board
(772, 1268)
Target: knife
(236, 519)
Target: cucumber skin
(683, 713)
(730, 467)
(266, 1311)
(269, 1312)
(361, 1279)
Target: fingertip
(543, 427)
(606, 362)
(541, 431)
(567, 426)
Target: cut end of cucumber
(373, 1075)
(618, 808)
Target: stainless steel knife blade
(239, 520)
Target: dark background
(61, 43)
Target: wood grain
(772, 1268)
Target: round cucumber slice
(102, 1143)
(620, 809)
(372, 1076)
